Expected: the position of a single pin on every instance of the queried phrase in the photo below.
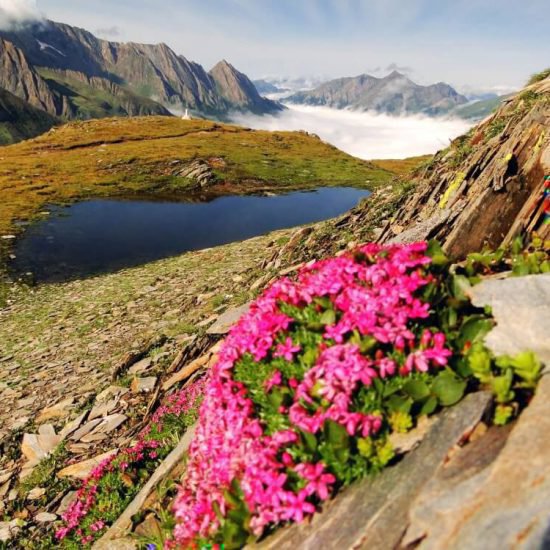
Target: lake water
(99, 236)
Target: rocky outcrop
(19, 77)
(489, 185)
(239, 91)
(393, 94)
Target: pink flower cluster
(177, 404)
(373, 295)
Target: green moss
(538, 77)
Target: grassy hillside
(480, 109)
(123, 156)
(19, 120)
(94, 102)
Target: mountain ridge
(393, 94)
(69, 73)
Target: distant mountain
(394, 94)
(20, 120)
(68, 72)
(264, 87)
(478, 110)
(239, 91)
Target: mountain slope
(19, 120)
(239, 91)
(97, 97)
(151, 71)
(485, 189)
(394, 94)
(19, 77)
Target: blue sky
(478, 43)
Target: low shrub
(313, 380)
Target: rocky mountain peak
(239, 91)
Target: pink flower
(287, 349)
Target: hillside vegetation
(148, 155)
(20, 120)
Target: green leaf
(479, 361)
(234, 536)
(429, 406)
(525, 365)
(474, 330)
(310, 441)
(275, 398)
(503, 414)
(417, 389)
(328, 317)
(435, 252)
(502, 387)
(460, 285)
(448, 388)
(397, 403)
(336, 435)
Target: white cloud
(365, 135)
(15, 12)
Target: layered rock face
(489, 186)
(239, 91)
(18, 77)
(151, 71)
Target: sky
(475, 45)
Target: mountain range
(394, 94)
(69, 73)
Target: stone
(10, 529)
(149, 528)
(405, 442)
(141, 366)
(112, 392)
(118, 544)
(144, 385)
(31, 448)
(423, 230)
(85, 430)
(521, 308)
(373, 513)
(83, 469)
(102, 409)
(18, 423)
(207, 321)
(66, 501)
(73, 425)
(45, 517)
(452, 483)
(186, 372)
(510, 503)
(227, 320)
(59, 410)
(36, 493)
(47, 438)
(111, 423)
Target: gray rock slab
(510, 507)
(521, 307)
(373, 514)
(422, 230)
(227, 320)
